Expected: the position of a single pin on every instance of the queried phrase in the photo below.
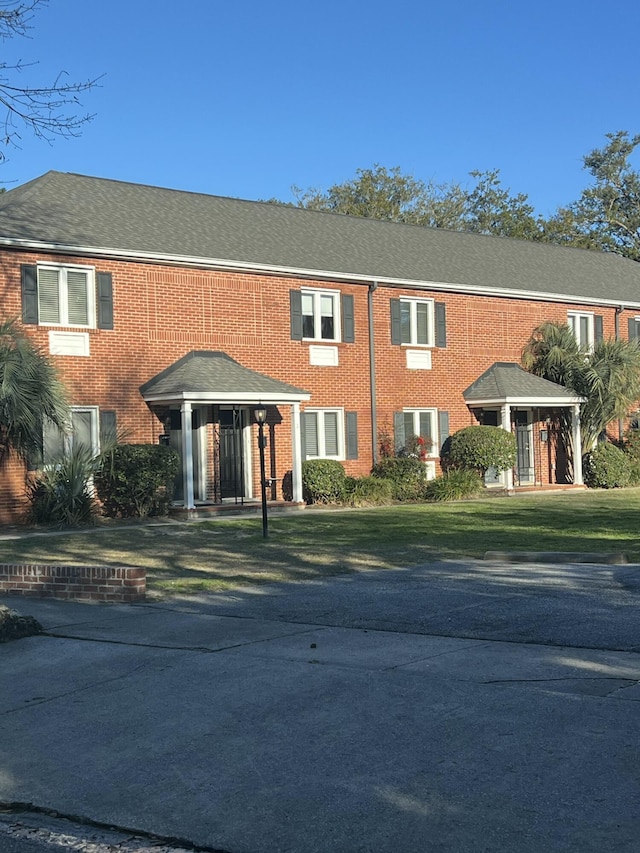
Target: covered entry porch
(508, 396)
(205, 402)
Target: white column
(296, 454)
(187, 455)
(577, 445)
(505, 416)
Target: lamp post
(260, 414)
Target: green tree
(48, 111)
(607, 214)
(380, 193)
(30, 391)
(608, 377)
(489, 208)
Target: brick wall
(162, 313)
(82, 583)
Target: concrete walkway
(466, 707)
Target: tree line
(606, 217)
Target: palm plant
(608, 377)
(30, 391)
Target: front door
(524, 444)
(232, 423)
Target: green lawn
(217, 554)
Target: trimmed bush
(323, 481)
(136, 480)
(61, 494)
(368, 491)
(631, 445)
(606, 467)
(455, 485)
(481, 447)
(407, 475)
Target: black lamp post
(260, 414)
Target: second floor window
(66, 296)
(320, 315)
(582, 326)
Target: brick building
(172, 315)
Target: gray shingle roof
(215, 376)
(508, 382)
(123, 219)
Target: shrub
(62, 494)
(483, 447)
(368, 491)
(407, 475)
(606, 467)
(455, 485)
(323, 481)
(631, 444)
(633, 469)
(136, 480)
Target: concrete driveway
(466, 707)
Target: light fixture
(260, 414)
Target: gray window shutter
(29, 273)
(399, 439)
(105, 300)
(352, 435)
(108, 428)
(303, 436)
(348, 324)
(443, 427)
(295, 300)
(633, 329)
(396, 334)
(441, 324)
(598, 333)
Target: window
(83, 432)
(634, 329)
(323, 434)
(582, 326)
(416, 432)
(66, 296)
(416, 324)
(320, 315)
(413, 322)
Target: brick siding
(122, 584)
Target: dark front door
(524, 448)
(232, 422)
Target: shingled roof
(97, 217)
(507, 382)
(212, 376)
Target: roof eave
(302, 272)
(226, 397)
(526, 402)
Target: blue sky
(249, 98)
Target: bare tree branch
(47, 111)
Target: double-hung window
(320, 315)
(416, 431)
(324, 433)
(416, 322)
(83, 431)
(583, 326)
(66, 296)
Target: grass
(217, 555)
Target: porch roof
(206, 376)
(508, 383)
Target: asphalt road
(459, 707)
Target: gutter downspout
(372, 374)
